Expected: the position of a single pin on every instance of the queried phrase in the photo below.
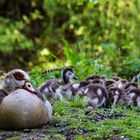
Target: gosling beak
(75, 77)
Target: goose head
(17, 79)
(68, 75)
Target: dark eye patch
(18, 76)
(70, 73)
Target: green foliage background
(95, 36)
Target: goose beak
(27, 86)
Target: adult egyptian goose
(21, 106)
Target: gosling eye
(69, 73)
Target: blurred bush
(98, 36)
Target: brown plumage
(134, 97)
(96, 95)
(110, 83)
(48, 89)
(117, 96)
(53, 88)
(129, 86)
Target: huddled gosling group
(23, 106)
(97, 90)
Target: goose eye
(29, 85)
(18, 76)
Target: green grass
(100, 122)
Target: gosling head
(116, 78)
(110, 83)
(93, 77)
(68, 75)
